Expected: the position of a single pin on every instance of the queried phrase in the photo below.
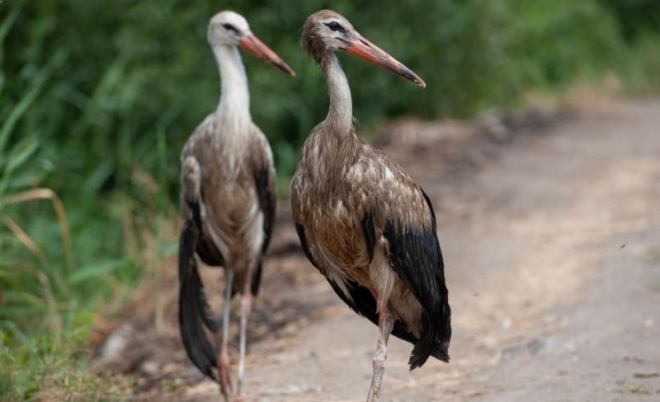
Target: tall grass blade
(25, 239)
(96, 270)
(31, 245)
(18, 155)
(6, 26)
(28, 99)
(48, 194)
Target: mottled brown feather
(335, 184)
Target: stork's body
(228, 201)
(362, 220)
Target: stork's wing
(193, 309)
(193, 156)
(265, 182)
(264, 179)
(416, 258)
(396, 208)
(359, 298)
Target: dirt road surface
(552, 253)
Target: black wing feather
(192, 234)
(303, 242)
(416, 258)
(193, 308)
(256, 278)
(268, 203)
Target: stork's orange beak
(258, 49)
(364, 49)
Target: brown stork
(363, 222)
(228, 201)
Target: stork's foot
(377, 379)
(224, 372)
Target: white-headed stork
(363, 222)
(228, 201)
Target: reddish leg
(246, 309)
(224, 368)
(385, 325)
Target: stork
(363, 222)
(228, 202)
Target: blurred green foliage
(638, 23)
(636, 18)
(97, 99)
(134, 69)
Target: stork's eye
(230, 27)
(335, 26)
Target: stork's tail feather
(193, 309)
(423, 350)
(434, 342)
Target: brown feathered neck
(340, 113)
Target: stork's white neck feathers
(340, 113)
(234, 93)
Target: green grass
(49, 367)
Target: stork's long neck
(340, 114)
(234, 94)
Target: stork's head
(326, 31)
(228, 28)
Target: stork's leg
(385, 325)
(223, 359)
(246, 308)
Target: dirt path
(552, 253)
(554, 273)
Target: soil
(550, 228)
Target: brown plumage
(227, 199)
(362, 220)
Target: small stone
(116, 342)
(149, 368)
